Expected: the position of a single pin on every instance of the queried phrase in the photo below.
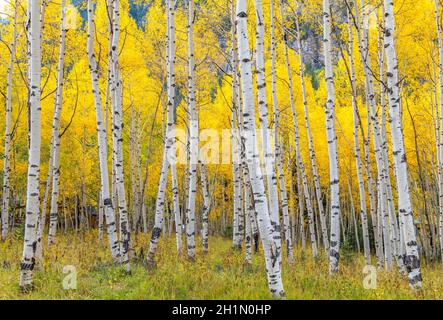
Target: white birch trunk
(125, 234)
(249, 211)
(401, 167)
(278, 149)
(100, 218)
(235, 138)
(269, 160)
(206, 208)
(169, 146)
(311, 144)
(193, 127)
(102, 147)
(7, 151)
(299, 160)
(440, 143)
(53, 215)
(253, 161)
(334, 251)
(32, 191)
(357, 151)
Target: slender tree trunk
(278, 149)
(102, 147)
(311, 143)
(33, 192)
(190, 210)
(206, 208)
(401, 167)
(440, 144)
(299, 160)
(100, 217)
(235, 138)
(249, 211)
(253, 161)
(116, 87)
(8, 132)
(269, 157)
(169, 146)
(357, 151)
(334, 250)
(53, 220)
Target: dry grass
(221, 274)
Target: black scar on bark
(156, 233)
(256, 243)
(27, 288)
(334, 253)
(415, 279)
(412, 262)
(107, 202)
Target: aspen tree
(101, 132)
(334, 251)
(193, 139)
(380, 182)
(41, 222)
(312, 156)
(171, 94)
(269, 157)
(380, 147)
(278, 149)
(253, 161)
(299, 160)
(206, 207)
(117, 138)
(32, 190)
(440, 137)
(357, 151)
(235, 138)
(8, 131)
(249, 211)
(169, 145)
(56, 129)
(398, 149)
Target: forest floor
(221, 274)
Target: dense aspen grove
(282, 145)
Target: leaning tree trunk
(357, 151)
(53, 215)
(316, 178)
(32, 191)
(298, 156)
(401, 167)
(334, 251)
(253, 160)
(102, 147)
(8, 133)
(278, 149)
